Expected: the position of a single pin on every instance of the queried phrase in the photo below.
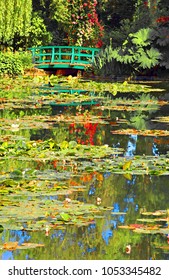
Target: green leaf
(127, 165)
(72, 144)
(64, 145)
(142, 37)
(148, 58)
(65, 217)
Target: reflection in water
(131, 146)
(92, 190)
(155, 150)
(102, 239)
(8, 255)
(15, 235)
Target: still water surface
(127, 196)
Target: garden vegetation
(133, 35)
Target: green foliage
(136, 51)
(143, 15)
(25, 58)
(137, 44)
(148, 58)
(141, 38)
(15, 20)
(38, 34)
(60, 12)
(118, 35)
(138, 39)
(137, 19)
(112, 12)
(14, 63)
(160, 35)
(9, 65)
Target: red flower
(99, 44)
(55, 163)
(163, 19)
(72, 125)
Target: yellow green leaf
(127, 165)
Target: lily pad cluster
(41, 180)
(146, 132)
(40, 213)
(12, 245)
(96, 86)
(155, 223)
(49, 149)
(47, 122)
(164, 119)
(144, 102)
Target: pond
(84, 176)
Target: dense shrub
(14, 63)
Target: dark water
(102, 239)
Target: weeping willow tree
(15, 20)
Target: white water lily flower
(67, 199)
(14, 125)
(98, 200)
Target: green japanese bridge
(59, 57)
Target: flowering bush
(85, 28)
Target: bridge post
(73, 55)
(53, 54)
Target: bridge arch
(61, 57)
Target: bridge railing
(64, 54)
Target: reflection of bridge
(47, 90)
(70, 57)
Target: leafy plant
(38, 33)
(136, 51)
(160, 35)
(14, 63)
(148, 58)
(15, 20)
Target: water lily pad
(11, 246)
(65, 217)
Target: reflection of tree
(138, 120)
(87, 133)
(86, 243)
(83, 133)
(147, 105)
(59, 133)
(103, 239)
